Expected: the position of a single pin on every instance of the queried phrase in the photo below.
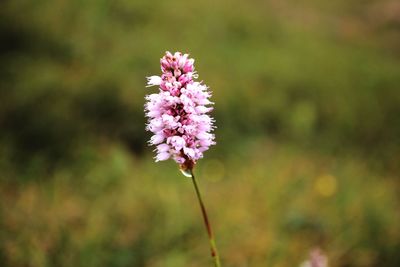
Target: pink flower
(177, 114)
(316, 259)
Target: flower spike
(178, 113)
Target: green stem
(213, 246)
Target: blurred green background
(307, 100)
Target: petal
(189, 152)
(156, 139)
(162, 156)
(153, 80)
(203, 109)
(179, 159)
(163, 148)
(204, 136)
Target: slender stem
(213, 246)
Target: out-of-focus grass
(269, 204)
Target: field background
(307, 106)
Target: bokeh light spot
(325, 185)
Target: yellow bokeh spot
(325, 185)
